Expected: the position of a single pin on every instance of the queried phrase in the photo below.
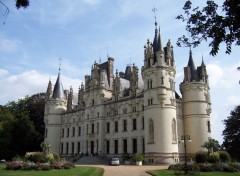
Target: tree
(6, 128)
(212, 145)
(219, 26)
(231, 133)
(22, 126)
(19, 4)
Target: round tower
(55, 104)
(196, 105)
(158, 74)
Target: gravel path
(128, 170)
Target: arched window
(151, 131)
(174, 131)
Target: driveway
(128, 170)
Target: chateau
(114, 114)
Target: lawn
(170, 172)
(77, 171)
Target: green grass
(77, 171)
(170, 172)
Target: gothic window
(107, 147)
(134, 145)
(150, 101)
(134, 122)
(92, 102)
(124, 145)
(209, 126)
(116, 146)
(142, 122)
(68, 132)
(87, 128)
(72, 148)
(151, 132)
(73, 131)
(79, 131)
(142, 108)
(150, 84)
(162, 80)
(108, 127)
(98, 114)
(66, 148)
(62, 132)
(134, 109)
(93, 128)
(174, 131)
(124, 125)
(116, 112)
(78, 148)
(116, 126)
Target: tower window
(209, 126)
(108, 127)
(92, 102)
(162, 80)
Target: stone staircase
(90, 160)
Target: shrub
(36, 157)
(56, 165)
(56, 156)
(139, 157)
(214, 158)
(205, 167)
(15, 165)
(201, 157)
(224, 156)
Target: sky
(81, 32)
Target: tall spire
(49, 90)
(58, 92)
(159, 41)
(191, 65)
(155, 41)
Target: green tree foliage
(22, 3)
(212, 145)
(210, 23)
(231, 134)
(22, 126)
(6, 130)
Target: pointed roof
(58, 92)
(159, 46)
(191, 65)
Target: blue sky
(83, 31)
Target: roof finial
(154, 11)
(60, 63)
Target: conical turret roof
(58, 92)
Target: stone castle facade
(114, 114)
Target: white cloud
(16, 86)
(224, 77)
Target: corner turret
(196, 105)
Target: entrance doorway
(92, 147)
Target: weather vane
(154, 11)
(60, 60)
